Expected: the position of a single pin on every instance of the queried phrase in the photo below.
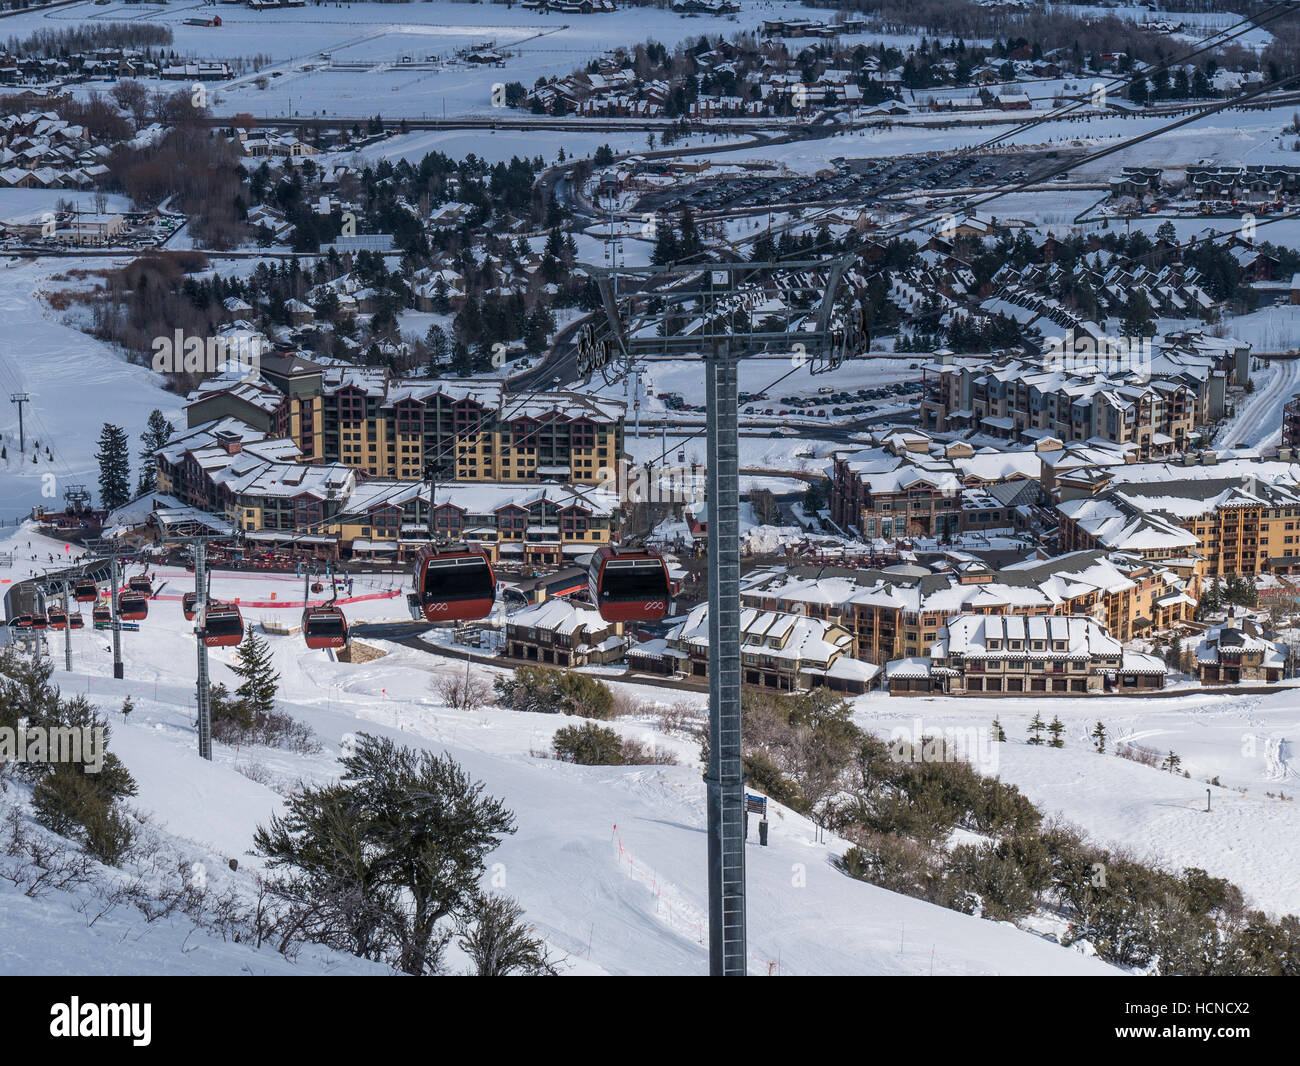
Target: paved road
(1259, 424)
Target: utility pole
(710, 297)
(200, 622)
(431, 474)
(725, 776)
(636, 402)
(118, 671)
(67, 628)
(114, 553)
(20, 398)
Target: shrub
(541, 690)
(588, 744)
(641, 753)
(463, 693)
(498, 942)
(894, 863)
(235, 721)
(987, 879)
(83, 806)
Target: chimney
(230, 441)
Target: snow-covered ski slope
(609, 863)
(75, 383)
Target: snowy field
(1196, 25)
(499, 146)
(20, 204)
(1229, 136)
(1248, 742)
(365, 71)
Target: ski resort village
(630, 487)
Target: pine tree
(1099, 738)
(1174, 655)
(1172, 763)
(114, 467)
(1036, 728)
(259, 680)
(157, 432)
(999, 734)
(127, 708)
(666, 249)
(1056, 729)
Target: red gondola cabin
(223, 625)
(132, 606)
(629, 585)
(454, 586)
(324, 627)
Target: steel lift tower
(722, 313)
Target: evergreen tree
(461, 360)
(114, 467)
(690, 243)
(254, 667)
(382, 859)
(436, 338)
(1139, 319)
(1172, 763)
(1174, 654)
(999, 734)
(1036, 728)
(1057, 728)
(1099, 738)
(666, 249)
(157, 432)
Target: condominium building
(786, 652)
(907, 485)
(1239, 514)
(1017, 656)
(899, 611)
(1157, 410)
(386, 426)
(1240, 649)
(562, 633)
(277, 500)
